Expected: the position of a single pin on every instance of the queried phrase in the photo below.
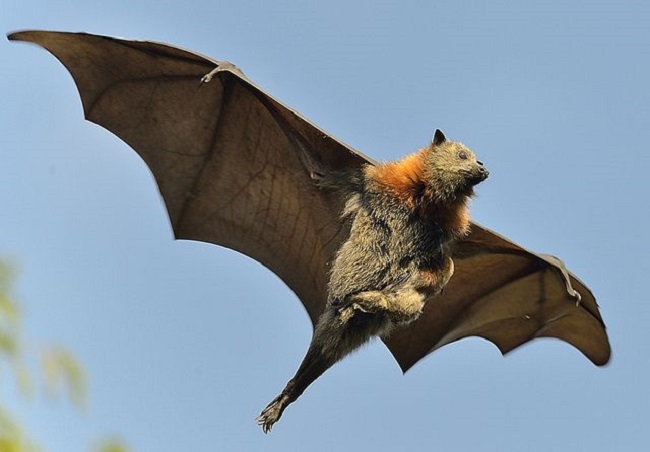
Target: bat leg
(372, 301)
(313, 366)
(332, 340)
(400, 306)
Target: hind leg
(327, 346)
(401, 306)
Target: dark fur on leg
(337, 333)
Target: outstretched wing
(508, 295)
(232, 163)
(234, 167)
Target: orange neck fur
(405, 180)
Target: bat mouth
(478, 175)
(482, 174)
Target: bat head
(452, 169)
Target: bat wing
(236, 167)
(509, 296)
(233, 165)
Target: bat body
(366, 247)
(405, 218)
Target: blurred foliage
(62, 374)
(58, 372)
(12, 438)
(109, 446)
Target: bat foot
(372, 302)
(316, 175)
(271, 414)
(369, 302)
(346, 314)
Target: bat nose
(482, 170)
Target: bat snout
(480, 173)
(483, 171)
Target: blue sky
(184, 343)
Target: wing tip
(41, 36)
(19, 35)
(604, 362)
(33, 36)
(601, 357)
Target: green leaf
(63, 373)
(8, 345)
(111, 445)
(12, 438)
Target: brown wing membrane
(233, 166)
(228, 159)
(508, 295)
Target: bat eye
(462, 155)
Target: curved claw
(223, 66)
(272, 413)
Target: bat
(237, 168)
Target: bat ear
(438, 137)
